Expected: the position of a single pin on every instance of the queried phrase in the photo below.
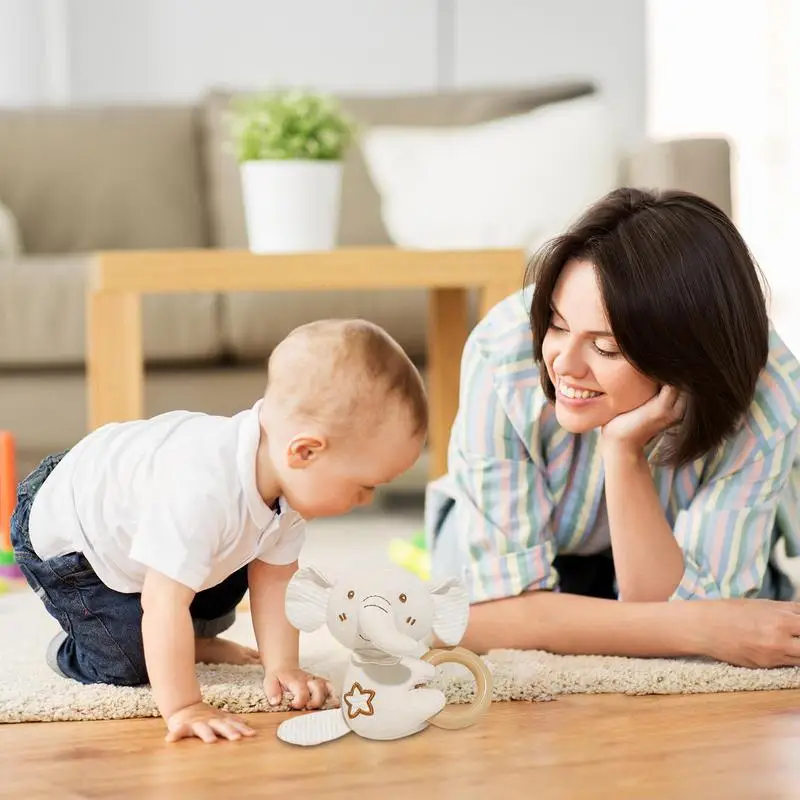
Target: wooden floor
(712, 746)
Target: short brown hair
(333, 367)
(684, 300)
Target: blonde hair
(342, 371)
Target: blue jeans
(101, 639)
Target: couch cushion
(42, 317)
(86, 179)
(536, 172)
(698, 164)
(360, 221)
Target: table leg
(448, 327)
(492, 293)
(114, 368)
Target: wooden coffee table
(117, 280)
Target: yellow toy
(412, 555)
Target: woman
(627, 431)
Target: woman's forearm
(572, 624)
(648, 561)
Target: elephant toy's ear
(451, 610)
(307, 599)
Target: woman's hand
(634, 429)
(748, 633)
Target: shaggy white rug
(29, 691)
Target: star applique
(359, 701)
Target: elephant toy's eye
(403, 598)
(351, 594)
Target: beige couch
(80, 180)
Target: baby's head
(344, 411)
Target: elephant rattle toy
(383, 618)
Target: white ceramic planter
(291, 205)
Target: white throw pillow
(512, 182)
(10, 245)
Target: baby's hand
(308, 691)
(205, 723)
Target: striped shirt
(526, 490)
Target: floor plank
(714, 746)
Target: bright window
(733, 68)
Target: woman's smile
(576, 395)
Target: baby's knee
(118, 666)
(90, 664)
(123, 674)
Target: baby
(143, 538)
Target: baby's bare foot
(223, 651)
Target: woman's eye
(607, 353)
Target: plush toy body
(383, 619)
(379, 700)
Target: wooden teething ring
(453, 717)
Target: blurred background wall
(141, 51)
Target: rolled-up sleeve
(502, 503)
(727, 533)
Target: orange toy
(8, 484)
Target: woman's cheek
(626, 388)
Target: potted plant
(290, 146)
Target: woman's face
(593, 381)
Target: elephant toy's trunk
(377, 625)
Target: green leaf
(289, 125)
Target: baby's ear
(307, 599)
(304, 449)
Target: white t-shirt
(175, 493)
